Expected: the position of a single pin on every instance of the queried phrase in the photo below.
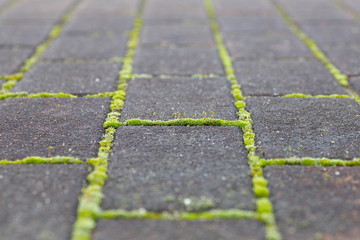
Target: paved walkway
(191, 119)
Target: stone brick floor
(168, 119)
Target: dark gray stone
(178, 168)
(177, 34)
(344, 56)
(316, 202)
(95, 46)
(165, 99)
(39, 201)
(28, 35)
(281, 77)
(265, 44)
(345, 33)
(11, 60)
(75, 78)
(50, 127)
(306, 127)
(355, 84)
(184, 230)
(177, 60)
(104, 25)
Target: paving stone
(89, 46)
(158, 168)
(353, 4)
(177, 60)
(251, 23)
(108, 8)
(265, 44)
(105, 25)
(306, 127)
(316, 202)
(164, 99)
(281, 77)
(177, 34)
(185, 230)
(333, 33)
(344, 56)
(243, 4)
(75, 78)
(185, 9)
(50, 127)
(355, 84)
(39, 201)
(11, 59)
(23, 34)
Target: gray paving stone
(243, 4)
(177, 34)
(344, 56)
(185, 9)
(11, 59)
(185, 230)
(251, 23)
(178, 168)
(104, 25)
(265, 44)
(281, 77)
(355, 84)
(50, 127)
(353, 4)
(108, 8)
(39, 201)
(347, 33)
(95, 46)
(316, 202)
(75, 78)
(177, 60)
(306, 127)
(23, 34)
(164, 99)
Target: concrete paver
(11, 59)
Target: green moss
(43, 160)
(316, 96)
(35, 95)
(197, 204)
(207, 215)
(101, 95)
(311, 162)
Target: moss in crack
(310, 162)
(207, 215)
(36, 95)
(101, 95)
(43, 160)
(302, 95)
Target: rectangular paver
(316, 202)
(183, 97)
(306, 127)
(76, 78)
(39, 201)
(185, 230)
(178, 168)
(11, 60)
(50, 127)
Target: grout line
(260, 189)
(35, 95)
(341, 78)
(43, 160)
(302, 95)
(177, 122)
(39, 50)
(341, 4)
(90, 200)
(9, 4)
(325, 162)
(144, 75)
(214, 214)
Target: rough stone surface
(95, 46)
(75, 78)
(265, 44)
(158, 168)
(177, 60)
(50, 127)
(165, 99)
(245, 24)
(177, 34)
(306, 127)
(316, 202)
(164, 230)
(281, 77)
(11, 60)
(39, 201)
(27, 35)
(344, 33)
(355, 84)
